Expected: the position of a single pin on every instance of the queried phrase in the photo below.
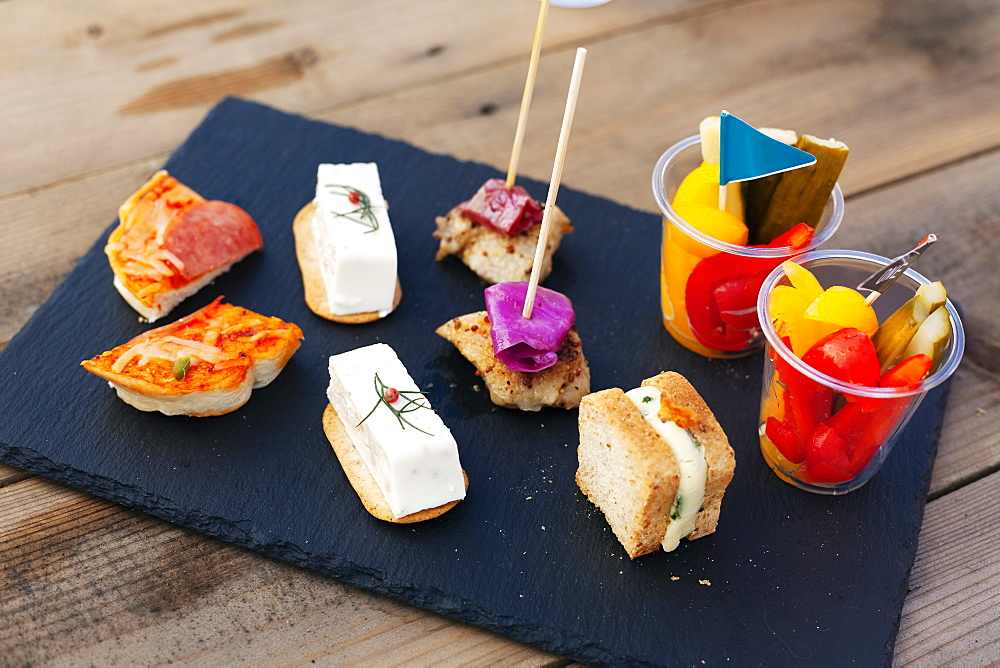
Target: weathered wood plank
(9, 475)
(909, 86)
(952, 614)
(47, 230)
(102, 86)
(83, 581)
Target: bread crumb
(707, 583)
(674, 578)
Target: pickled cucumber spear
(757, 193)
(896, 333)
(801, 195)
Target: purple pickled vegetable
(527, 344)
(507, 210)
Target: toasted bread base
(629, 472)
(361, 478)
(165, 302)
(316, 295)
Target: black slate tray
(789, 577)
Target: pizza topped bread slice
(170, 242)
(204, 364)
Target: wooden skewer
(557, 167)
(529, 87)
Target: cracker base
(363, 482)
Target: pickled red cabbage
(507, 210)
(527, 344)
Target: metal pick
(886, 276)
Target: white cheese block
(357, 262)
(690, 460)
(415, 465)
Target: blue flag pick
(747, 153)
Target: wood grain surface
(94, 96)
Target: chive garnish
(362, 215)
(675, 512)
(410, 404)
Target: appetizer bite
(525, 363)
(655, 461)
(345, 246)
(170, 242)
(204, 364)
(495, 233)
(398, 454)
(709, 292)
(821, 436)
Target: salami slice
(210, 235)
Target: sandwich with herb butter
(655, 461)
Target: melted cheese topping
(222, 341)
(135, 246)
(690, 460)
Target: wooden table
(95, 95)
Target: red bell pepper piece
(702, 311)
(849, 356)
(826, 456)
(823, 472)
(910, 371)
(868, 431)
(736, 299)
(721, 292)
(784, 438)
(809, 403)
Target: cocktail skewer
(557, 167)
(529, 87)
(883, 278)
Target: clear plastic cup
(793, 392)
(684, 251)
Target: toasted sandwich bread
(494, 256)
(204, 364)
(561, 385)
(630, 471)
